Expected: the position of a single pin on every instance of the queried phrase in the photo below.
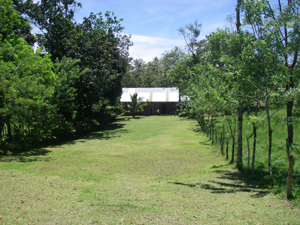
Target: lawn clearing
(151, 170)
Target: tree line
(251, 65)
(63, 88)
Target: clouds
(149, 47)
(154, 24)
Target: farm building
(160, 100)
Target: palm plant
(136, 104)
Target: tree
(287, 19)
(135, 74)
(101, 47)
(24, 29)
(152, 74)
(226, 48)
(54, 18)
(271, 49)
(136, 104)
(190, 33)
(9, 21)
(67, 72)
(282, 21)
(239, 150)
(27, 84)
(155, 73)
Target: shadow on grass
(229, 182)
(31, 155)
(105, 132)
(126, 118)
(261, 173)
(217, 167)
(206, 143)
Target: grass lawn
(151, 170)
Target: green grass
(152, 170)
(280, 162)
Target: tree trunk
(212, 135)
(270, 145)
(287, 148)
(207, 129)
(1, 125)
(238, 20)
(211, 127)
(9, 130)
(239, 151)
(222, 144)
(254, 141)
(290, 104)
(254, 147)
(289, 179)
(290, 130)
(232, 155)
(248, 164)
(226, 149)
(202, 122)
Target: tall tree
(100, 46)
(135, 74)
(264, 59)
(190, 33)
(9, 21)
(27, 84)
(283, 22)
(24, 31)
(54, 18)
(239, 151)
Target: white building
(160, 100)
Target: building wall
(158, 108)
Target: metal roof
(167, 94)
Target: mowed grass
(151, 170)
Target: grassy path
(153, 170)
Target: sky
(153, 24)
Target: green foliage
(136, 105)
(45, 98)
(9, 20)
(26, 83)
(156, 73)
(101, 47)
(67, 72)
(55, 19)
(257, 66)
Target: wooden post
(290, 177)
(222, 144)
(226, 149)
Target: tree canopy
(68, 82)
